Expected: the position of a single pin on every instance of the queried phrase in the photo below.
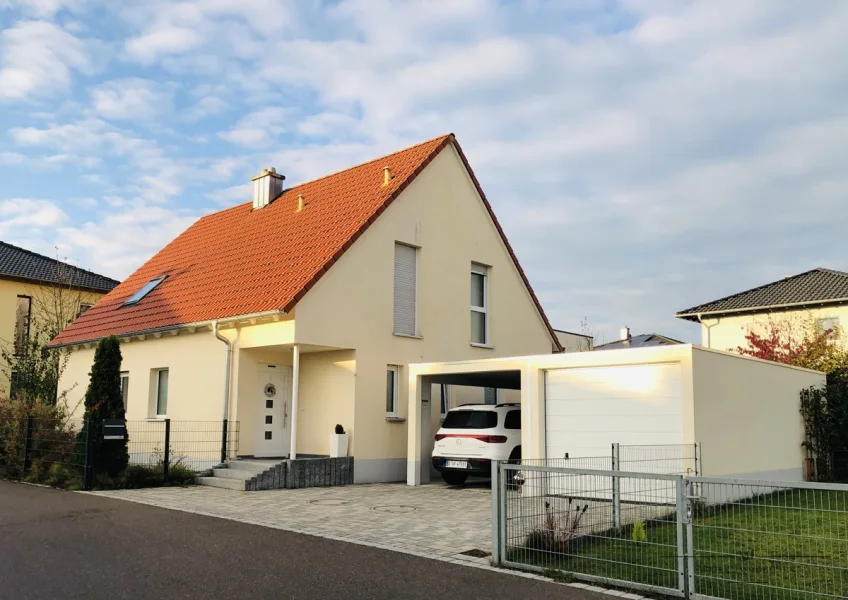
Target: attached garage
(744, 412)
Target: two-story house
(302, 309)
(820, 294)
(35, 291)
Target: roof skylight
(145, 289)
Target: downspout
(708, 327)
(227, 369)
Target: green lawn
(783, 546)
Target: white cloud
(206, 107)
(167, 40)
(130, 99)
(259, 128)
(17, 214)
(38, 58)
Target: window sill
(395, 420)
(406, 335)
(487, 346)
(156, 418)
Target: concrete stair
(237, 473)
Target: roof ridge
(55, 260)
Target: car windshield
(470, 419)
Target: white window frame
(414, 332)
(395, 391)
(125, 391)
(156, 406)
(820, 325)
(479, 269)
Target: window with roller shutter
(406, 258)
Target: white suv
(472, 436)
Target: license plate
(456, 464)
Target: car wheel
(452, 478)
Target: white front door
(274, 408)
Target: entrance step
(222, 482)
(257, 474)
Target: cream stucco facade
(343, 328)
(39, 295)
(743, 411)
(728, 332)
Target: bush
(639, 533)
(53, 437)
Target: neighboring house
(821, 294)
(643, 340)
(28, 283)
(574, 342)
(311, 302)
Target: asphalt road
(64, 545)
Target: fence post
(690, 537)
(86, 465)
(30, 426)
(616, 486)
(698, 468)
(166, 455)
(224, 442)
(496, 513)
(681, 488)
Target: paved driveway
(434, 520)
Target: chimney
(266, 186)
(387, 175)
(300, 202)
(625, 333)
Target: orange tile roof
(241, 261)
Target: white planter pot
(338, 445)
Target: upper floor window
(829, 326)
(406, 258)
(479, 304)
(125, 387)
(23, 309)
(145, 289)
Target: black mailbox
(114, 429)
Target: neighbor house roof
(819, 286)
(20, 264)
(643, 340)
(241, 261)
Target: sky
(643, 156)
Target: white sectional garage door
(589, 408)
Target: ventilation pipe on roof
(387, 175)
(266, 186)
(300, 202)
(625, 333)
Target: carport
(743, 411)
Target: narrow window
(125, 387)
(490, 395)
(392, 373)
(145, 289)
(406, 258)
(22, 315)
(445, 405)
(162, 393)
(14, 383)
(479, 305)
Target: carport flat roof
(623, 356)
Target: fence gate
(693, 537)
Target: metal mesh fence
(53, 449)
(696, 537)
(763, 540)
(666, 459)
(584, 522)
